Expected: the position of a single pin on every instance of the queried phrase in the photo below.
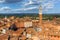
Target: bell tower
(40, 15)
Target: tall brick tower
(40, 15)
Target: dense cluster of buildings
(15, 28)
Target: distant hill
(28, 14)
(33, 15)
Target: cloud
(25, 9)
(49, 5)
(32, 2)
(5, 8)
(30, 8)
(1, 1)
(45, 3)
(12, 1)
(17, 10)
(28, 3)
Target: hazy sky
(29, 6)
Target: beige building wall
(27, 24)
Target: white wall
(27, 24)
